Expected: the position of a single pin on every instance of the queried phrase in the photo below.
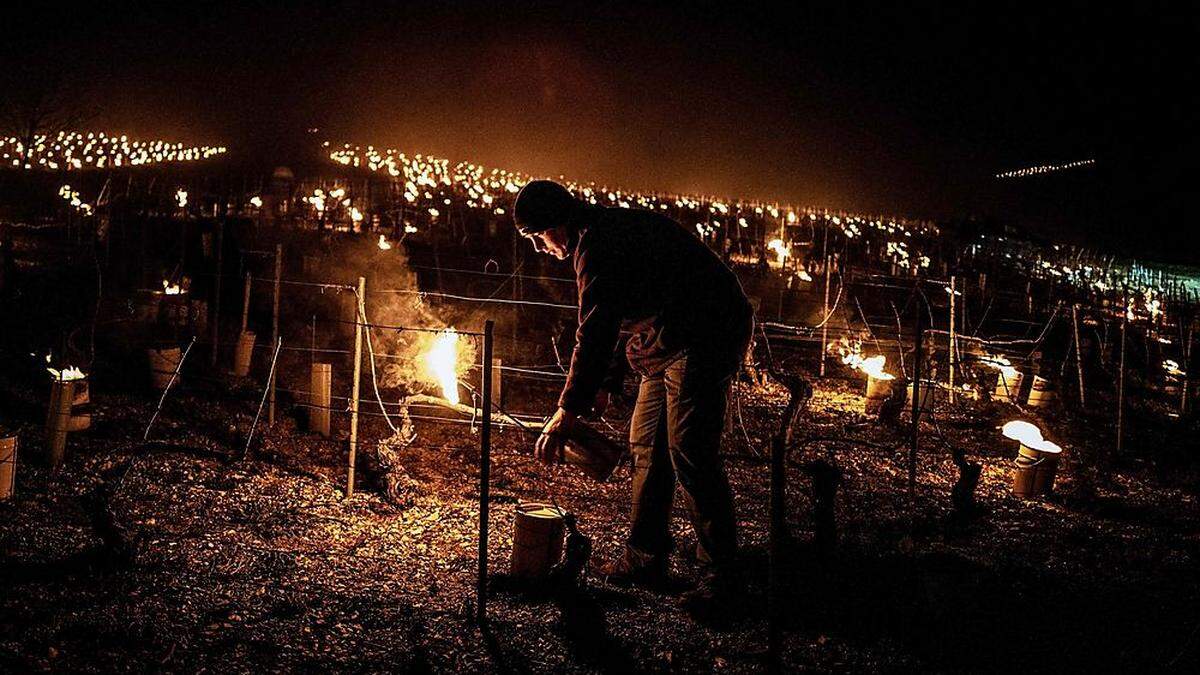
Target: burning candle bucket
(878, 391)
(538, 532)
(8, 466)
(243, 353)
(593, 452)
(928, 395)
(81, 407)
(1036, 464)
(1041, 393)
(163, 363)
(1008, 385)
(1034, 477)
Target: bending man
(689, 325)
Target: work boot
(712, 599)
(635, 569)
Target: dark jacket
(640, 272)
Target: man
(689, 324)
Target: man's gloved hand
(549, 447)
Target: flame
(781, 250)
(181, 198)
(1029, 435)
(851, 355)
(804, 275)
(67, 374)
(1172, 368)
(256, 202)
(441, 362)
(1002, 364)
(170, 288)
(384, 245)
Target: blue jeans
(675, 434)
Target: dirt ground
(176, 554)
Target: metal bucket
(1008, 386)
(58, 414)
(1041, 393)
(81, 407)
(163, 363)
(538, 532)
(1034, 477)
(928, 389)
(243, 353)
(593, 452)
(8, 466)
(878, 391)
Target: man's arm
(596, 337)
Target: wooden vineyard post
(953, 348)
(246, 302)
(275, 327)
(919, 341)
(216, 313)
(321, 381)
(1121, 385)
(360, 317)
(825, 317)
(485, 467)
(1187, 362)
(1078, 355)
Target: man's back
(671, 291)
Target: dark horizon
(908, 111)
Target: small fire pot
(878, 391)
(1041, 392)
(1034, 472)
(81, 407)
(538, 532)
(1008, 385)
(927, 389)
(163, 362)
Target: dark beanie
(541, 205)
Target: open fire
(441, 363)
(850, 353)
(170, 288)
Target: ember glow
(441, 363)
(170, 288)
(1030, 436)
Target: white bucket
(1008, 385)
(1040, 392)
(878, 391)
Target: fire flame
(1172, 368)
(780, 249)
(384, 244)
(1030, 436)
(851, 355)
(67, 374)
(170, 288)
(804, 275)
(441, 362)
(1002, 364)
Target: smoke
(406, 327)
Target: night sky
(898, 109)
